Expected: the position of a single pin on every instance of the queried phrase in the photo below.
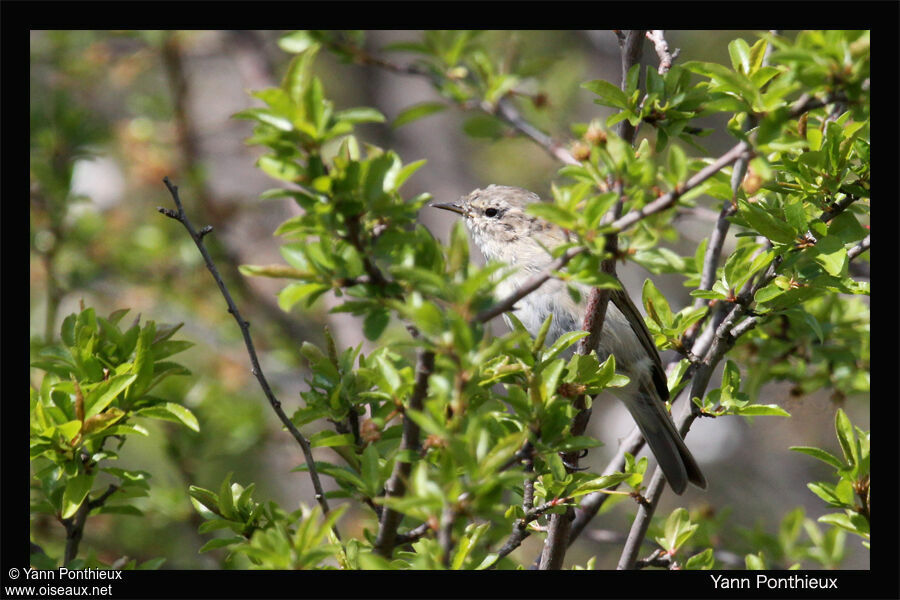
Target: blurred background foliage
(113, 112)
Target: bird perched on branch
(505, 232)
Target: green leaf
(760, 410)
(600, 483)
(143, 361)
(417, 111)
(822, 455)
(766, 224)
(846, 437)
(656, 304)
(331, 439)
(740, 55)
(609, 94)
(106, 392)
(296, 42)
(370, 472)
(77, 489)
(226, 498)
(755, 562)
(563, 343)
(264, 115)
(557, 468)
(170, 411)
(758, 54)
(361, 114)
(205, 498)
(678, 529)
(221, 543)
(295, 292)
(701, 561)
(483, 126)
(856, 523)
(767, 293)
(677, 162)
(831, 255)
(284, 169)
(375, 323)
(553, 213)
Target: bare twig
(396, 485)
(189, 145)
(657, 558)
(859, 248)
(412, 535)
(837, 208)
(197, 237)
(520, 529)
(657, 36)
(531, 284)
(669, 198)
(503, 109)
(507, 112)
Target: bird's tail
(675, 460)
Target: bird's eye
(491, 212)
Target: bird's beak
(451, 207)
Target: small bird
(505, 232)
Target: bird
(499, 225)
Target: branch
(554, 550)
(859, 248)
(722, 334)
(657, 558)
(837, 208)
(396, 485)
(503, 109)
(507, 112)
(531, 284)
(657, 36)
(520, 529)
(723, 341)
(182, 218)
(668, 199)
(74, 525)
(445, 534)
(631, 45)
(412, 535)
(717, 241)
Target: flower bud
(581, 151)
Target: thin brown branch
(669, 198)
(837, 208)
(412, 535)
(520, 528)
(530, 285)
(396, 485)
(859, 248)
(257, 371)
(188, 140)
(507, 112)
(503, 109)
(657, 36)
(631, 47)
(445, 534)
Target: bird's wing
(623, 302)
